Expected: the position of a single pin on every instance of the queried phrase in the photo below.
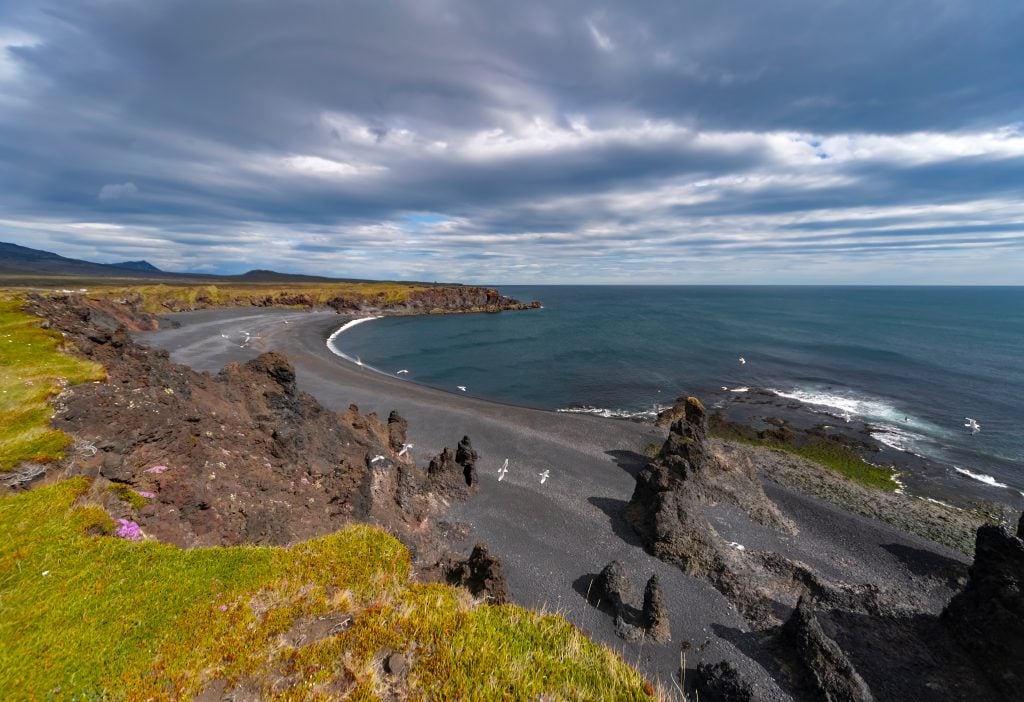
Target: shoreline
(551, 537)
(925, 477)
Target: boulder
(481, 574)
(987, 616)
(721, 682)
(828, 669)
(655, 613)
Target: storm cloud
(521, 142)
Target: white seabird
(502, 471)
(402, 372)
(544, 476)
(846, 415)
(973, 425)
(405, 449)
(376, 458)
(461, 387)
(742, 360)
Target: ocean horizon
(916, 363)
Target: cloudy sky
(672, 141)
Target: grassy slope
(84, 615)
(31, 373)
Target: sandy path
(550, 537)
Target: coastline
(551, 537)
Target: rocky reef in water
(823, 639)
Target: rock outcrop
(453, 474)
(987, 616)
(828, 670)
(613, 591)
(481, 574)
(722, 682)
(242, 456)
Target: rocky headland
(826, 638)
(246, 455)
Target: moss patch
(32, 371)
(84, 613)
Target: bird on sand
(544, 476)
(502, 471)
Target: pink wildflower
(127, 529)
(223, 608)
(157, 469)
(144, 493)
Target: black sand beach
(554, 537)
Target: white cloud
(116, 191)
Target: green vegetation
(32, 371)
(161, 298)
(84, 613)
(839, 458)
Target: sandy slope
(553, 537)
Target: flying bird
(376, 458)
(405, 449)
(973, 425)
(502, 471)
(359, 361)
(544, 476)
(461, 387)
(742, 360)
(402, 372)
(846, 415)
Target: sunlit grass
(82, 612)
(32, 371)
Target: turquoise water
(914, 362)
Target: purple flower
(144, 493)
(156, 469)
(127, 529)
(223, 608)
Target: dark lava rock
(613, 588)
(987, 617)
(397, 428)
(655, 613)
(721, 682)
(1020, 526)
(481, 574)
(828, 669)
(453, 475)
(240, 457)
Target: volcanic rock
(397, 428)
(987, 616)
(453, 475)
(721, 682)
(829, 671)
(481, 574)
(655, 613)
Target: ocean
(913, 362)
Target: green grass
(86, 614)
(32, 371)
(161, 298)
(836, 457)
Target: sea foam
(333, 347)
(980, 477)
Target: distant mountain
(138, 266)
(22, 266)
(263, 276)
(21, 260)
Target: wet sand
(553, 537)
